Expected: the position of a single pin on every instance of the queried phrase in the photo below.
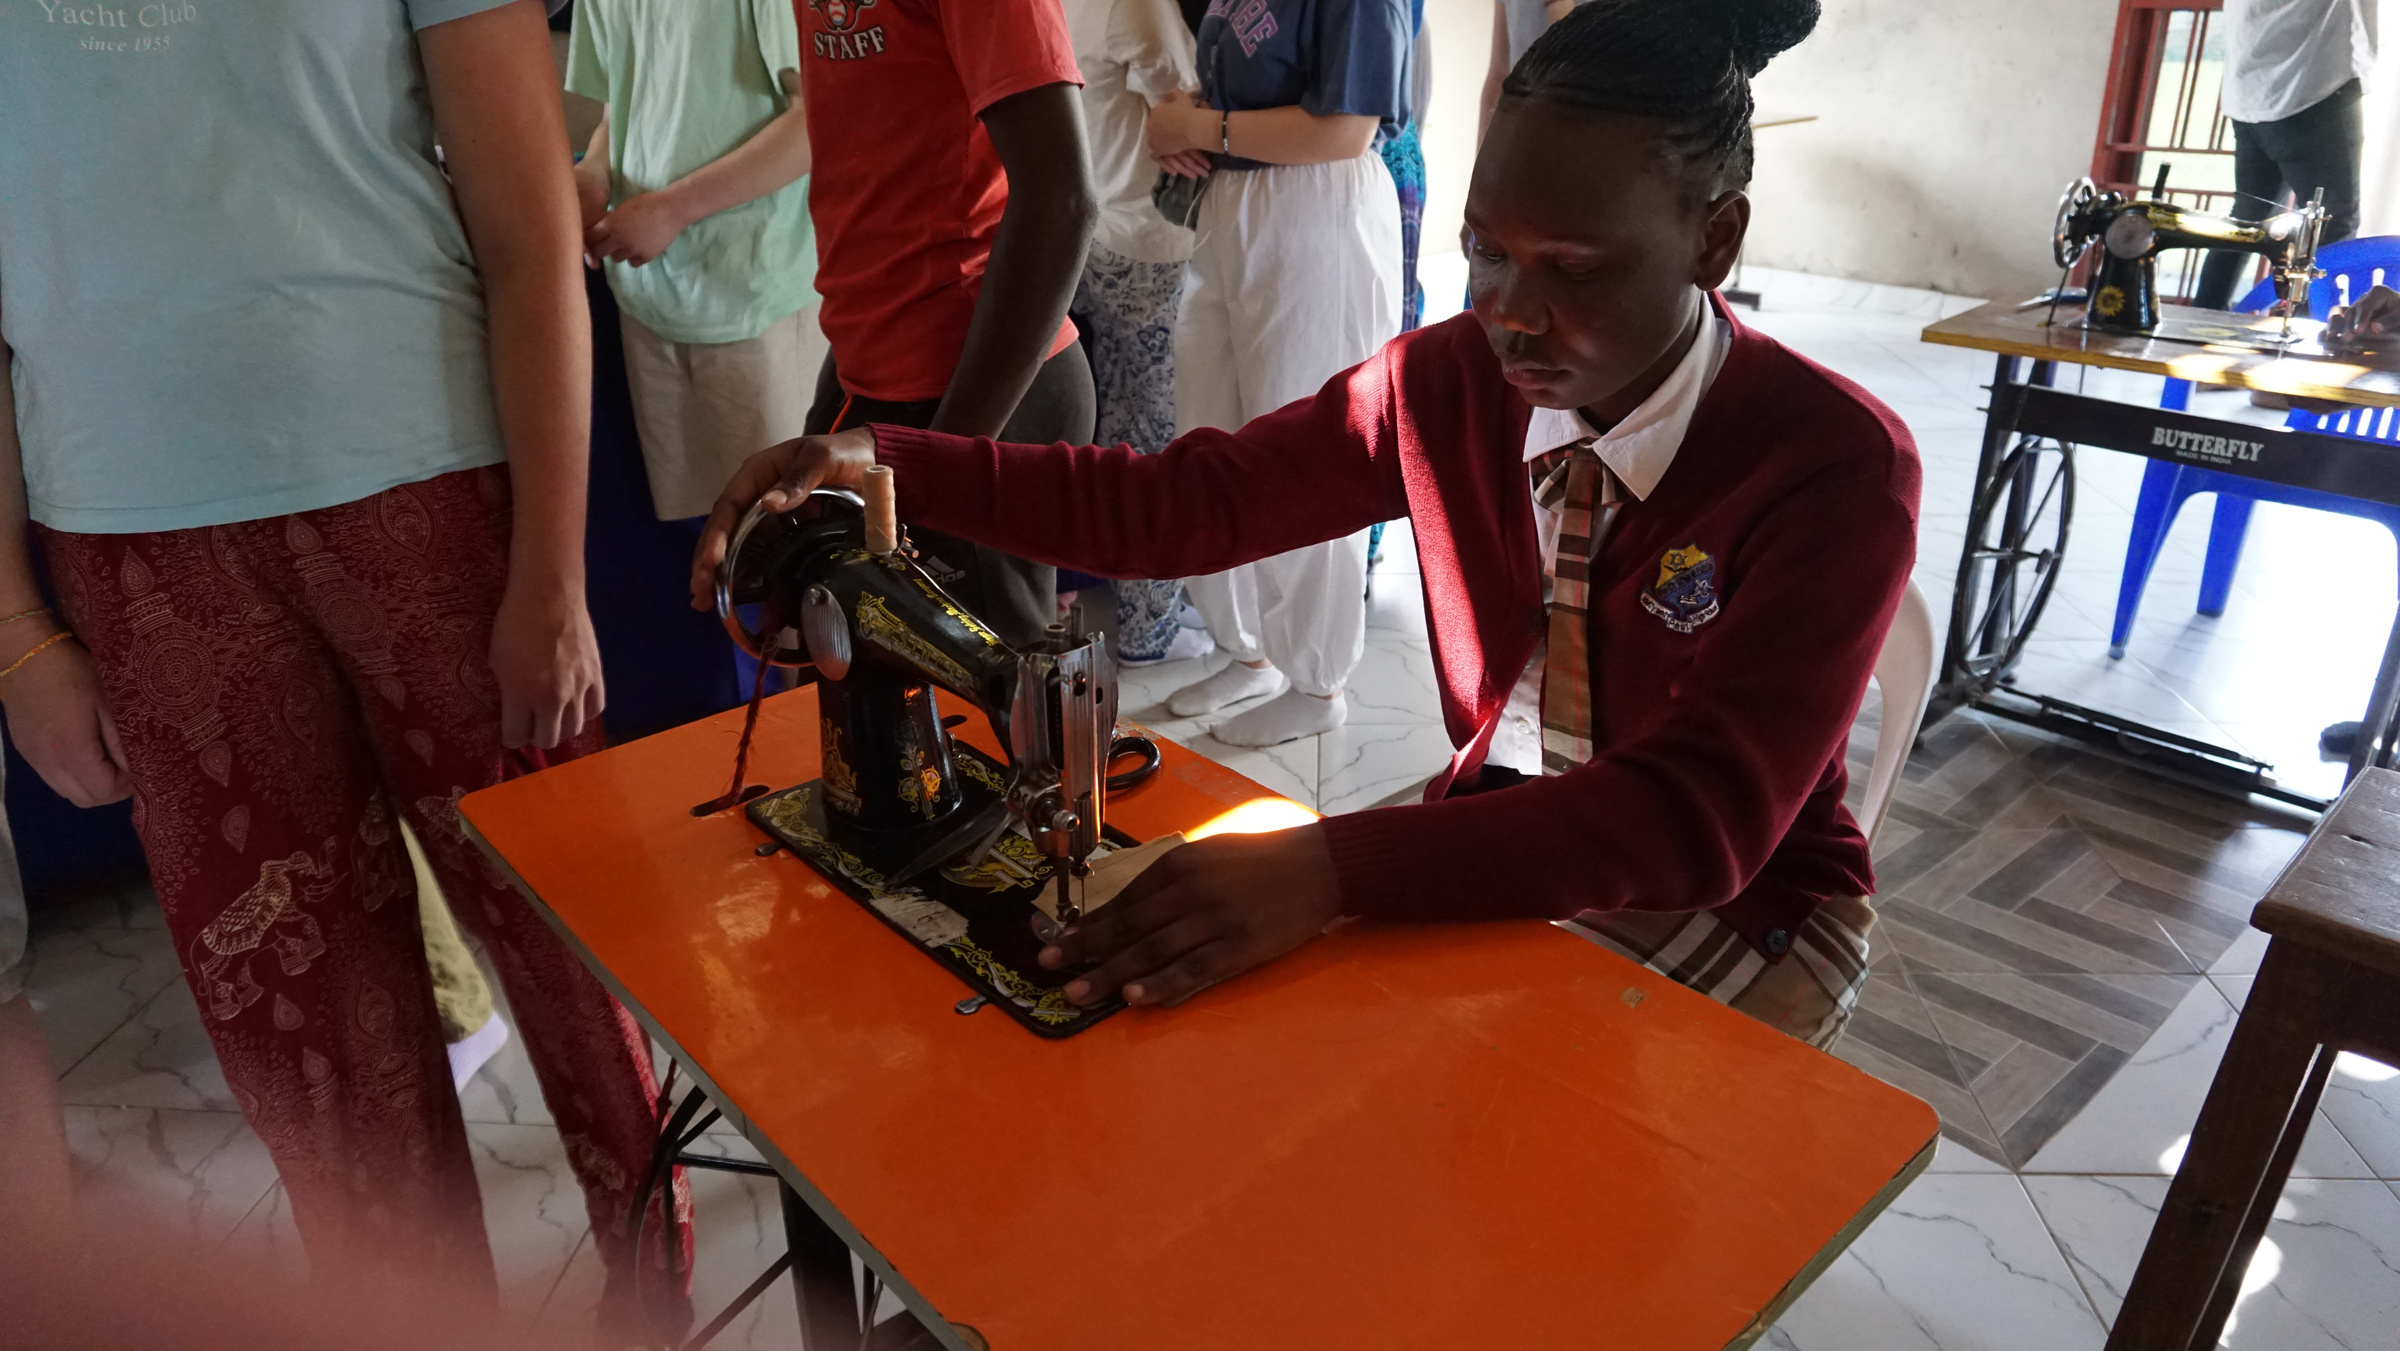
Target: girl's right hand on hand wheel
(777, 478)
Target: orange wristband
(36, 650)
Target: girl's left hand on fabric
(1203, 913)
(638, 230)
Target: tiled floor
(2064, 947)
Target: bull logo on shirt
(1685, 594)
(842, 39)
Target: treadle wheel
(2016, 537)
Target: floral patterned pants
(1128, 307)
(287, 689)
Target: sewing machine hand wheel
(826, 517)
(2065, 245)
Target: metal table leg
(2377, 732)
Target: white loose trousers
(1295, 278)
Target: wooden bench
(2330, 983)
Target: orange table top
(1400, 1136)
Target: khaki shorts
(1808, 994)
(703, 408)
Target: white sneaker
(1287, 717)
(1229, 686)
(1186, 645)
(473, 1053)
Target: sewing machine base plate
(975, 919)
(2253, 332)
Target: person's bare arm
(1495, 74)
(497, 113)
(591, 175)
(1287, 135)
(775, 157)
(56, 712)
(1037, 257)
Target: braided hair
(1685, 64)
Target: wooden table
(2024, 501)
(1399, 1136)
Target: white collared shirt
(1637, 450)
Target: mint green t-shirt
(686, 81)
(230, 270)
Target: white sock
(479, 1047)
(1229, 686)
(1288, 717)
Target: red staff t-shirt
(906, 191)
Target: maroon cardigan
(1716, 779)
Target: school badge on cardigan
(1685, 594)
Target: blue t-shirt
(229, 267)
(1327, 56)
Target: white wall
(1947, 128)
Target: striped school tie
(1809, 996)
(1573, 482)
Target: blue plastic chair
(2360, 263)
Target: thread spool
(883, 522)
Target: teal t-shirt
(686, 81)
(229, 267)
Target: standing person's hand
(2372, 320)
(60, 720)
(1181, 127)
(546, 662)
(640, 229)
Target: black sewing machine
(2124, 289)
(912, 824)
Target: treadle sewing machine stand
(2025, 495)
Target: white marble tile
(2242, 956)
(2326, 1276)
(1394, 682)
(532, 1208)
(267, 1241)
(2362, 1097)
(161, 1057)
(1396, 604)
(162, 1171)
(86, 979)
(1949, 1156)
(2140, 1122)
(1361, 764)
(1959, 1263)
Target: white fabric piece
(1295, 278)
(1638, 451)
(2284, 56)
(1131, 51)
(703, 408)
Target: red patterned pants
(285, 688)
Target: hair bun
(1758, 31)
